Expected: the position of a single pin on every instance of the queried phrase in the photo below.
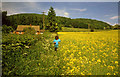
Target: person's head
(56, 37)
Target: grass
(66, 29)
(33, 60)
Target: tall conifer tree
(52, 25)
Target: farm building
(20, 29)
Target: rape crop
(93, 53)
(79, 53)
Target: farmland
(67, 29)
(87, 53)
(79, 53)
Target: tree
(6, 29)
(4, 18)
(52, 25)
(116, 26)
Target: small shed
(20, 29)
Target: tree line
(52, 22)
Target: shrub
(92, 30)
(6, 29)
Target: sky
(60, 0)
(103, 11)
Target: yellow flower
(79, 42)
(103, 61)
(68, 68)
(79, 53)
(82, 73)
(81, 61)
(116, 72)
(116, 62)
(104, 64)
(89, 61)
(98, 60)
(63, 66)
(111, 67)
(108, 73)
(89, 74)
(82, 65)
(71, 70)
(71, 62)
(93, 59)
(39, 64)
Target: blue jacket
(56, 45)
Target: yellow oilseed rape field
(89, 53)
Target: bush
(92, 30)
(7, 29)
(60, 27)
(13, 48)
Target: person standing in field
(56, 42)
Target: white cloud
(32, 5)
(114, 17)
(29, 7)
(115, 24)
(66, 14)
(12, 14)
(11, 11)
(81, 10)
(107, 15)
(109, 23)
(62, 12)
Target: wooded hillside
(37, 19)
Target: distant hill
(93, 23)
(37, 19)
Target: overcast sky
(103, 11)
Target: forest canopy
(37, 19)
